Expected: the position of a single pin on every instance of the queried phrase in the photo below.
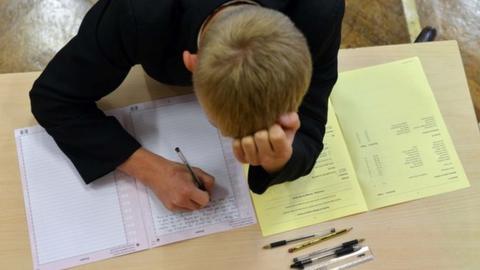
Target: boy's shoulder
(152, 11)
(319, 13)
(319, 21)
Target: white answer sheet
(71, 223)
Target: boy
(252, 71)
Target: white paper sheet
(71, 223)
(69, 220)
(180, 122)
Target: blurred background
(32, 31)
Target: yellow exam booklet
(385, 143)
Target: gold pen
(318, 240)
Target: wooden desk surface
(440, 232)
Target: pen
(318, 240)
(340, 252)
(334, 254)
(197, 181)
(284, 242)
(318, 252)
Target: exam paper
(163, 125)
(330, 191)
(71, 223)
(398, 142)
(390, 144)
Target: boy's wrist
(273, 169)
(138, 164)
(130, 166)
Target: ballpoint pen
(197, 181)
(284, 242)
(332, 254)
(318, 240)
(318, 252)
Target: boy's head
(253, 66)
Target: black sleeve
(308, 141)
(90, 66)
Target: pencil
(318, 240)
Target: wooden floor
(381, 22)
(460, 20)
(32, 31)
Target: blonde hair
(253, 66)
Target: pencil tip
(177, 149)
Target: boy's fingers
(238, 151)
(250, 150)
(198, 206)
(190, 205)
(187, 199)
(207, 179)
(180, 209)
(290, 123)
(278, 139)
(201, 198)
(263, 143)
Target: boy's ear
(190, 60)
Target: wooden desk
(440, 232)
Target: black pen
(284, 242)
(318, 252)
(333, 254)
(197, 181)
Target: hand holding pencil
(172, 182)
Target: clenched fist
(270, 148)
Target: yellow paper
(330, 191)
(395, 134)
(392, 147)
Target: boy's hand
(270, 148)
(171, 182)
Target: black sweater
(117, 34)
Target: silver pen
(323, 250)
(332, 254)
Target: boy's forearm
(140, 163)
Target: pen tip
(177, 149)
(266, 247)
(361, 240)
(290, 250)
(296, 266)
(332, 230)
